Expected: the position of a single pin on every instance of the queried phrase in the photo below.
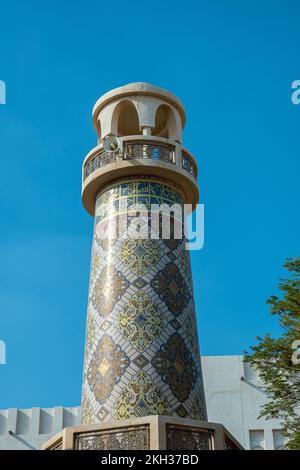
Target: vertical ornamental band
(141, 352)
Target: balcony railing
(188, 164)
(98, 161)
(165, 153)
(139, 151)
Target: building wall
(233, 396)
(28, 429)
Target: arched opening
(128, 120)
(161, 128)
(98, 126)
(165, 123)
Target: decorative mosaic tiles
(114, 200)
(139, 255)
(141, 354)
(141, 321)
(107, 366)
(171, 287)
(108, 290)
(176, 366)
(140, 398)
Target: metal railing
(188, 164)
(165, 153)
(98, 161)
(139, 150)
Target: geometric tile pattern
(139, 255)
(171, 287)
(140, 321)
(141, 353)
(141, 398)
(107, 366)
(176, 366)
(108, 289)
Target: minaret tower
(142, 379)
(141, 352)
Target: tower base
(147, 433)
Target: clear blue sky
(232, 64)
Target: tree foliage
(277, 360)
